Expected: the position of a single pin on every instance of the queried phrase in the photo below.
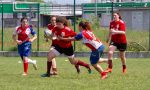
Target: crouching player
(24, 43)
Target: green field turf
(137, 77)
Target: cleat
(104, 75)
(45, 75)
(108, 70)
(34, 64)
(89, 71)
(24, 74)
(77, 68)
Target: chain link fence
(135, 15)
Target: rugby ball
(48, 33)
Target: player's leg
(33, 62)
(123, 60)
(25, 65)
(77, 62)
(51, 54)
(95, 59)
(54, 67)
(103, 60)
(110, 56)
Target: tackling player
(96, 46)
(64, 47)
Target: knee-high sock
(49, 65)
(25, 64)
(81, 63)
(110, 65)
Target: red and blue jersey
(24, 33)
(89, 39)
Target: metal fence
(135, 15)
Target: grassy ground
(137, 77)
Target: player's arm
(75, 38)
(14, 37)
(33, 34)
(121, 30)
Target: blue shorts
(95, 55)
(24, 49)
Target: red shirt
(50, 27)
(118, 25)
(65, 32)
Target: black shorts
(67, 51)
(120, 46)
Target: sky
(69, 1)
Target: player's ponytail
(85, 25)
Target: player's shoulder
(68, 29)
(17, 27)
(121, 21)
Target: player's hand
(19, 42)
(113, 31)
(30, 40)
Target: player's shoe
(24, 74)
(34, 64)
(89, 71)
(108, 70)
(124, 71)
(45, 75)
(77, 68)
(104, 75)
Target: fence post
(112, 9)
(38, 21)
(74, 21)
(2, 29)
(149, 29)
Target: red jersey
(50, 27)
(118, 25)
(65, 32)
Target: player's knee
(110, 52)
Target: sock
(103, 73)
(30, 61)
(124, 66)
(49, 64)
(110, 64)
(25, 64)
(81, 63)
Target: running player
(24, 43)
(117, 39)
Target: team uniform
(89, 39)
(118, 40)
(64, 46)
(24, 35)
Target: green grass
(137, 77)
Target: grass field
(137, 77)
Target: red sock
(103, 73)
(110, 64)
(124, 66)
(25, 64)
(81, 63)
(49, 64)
